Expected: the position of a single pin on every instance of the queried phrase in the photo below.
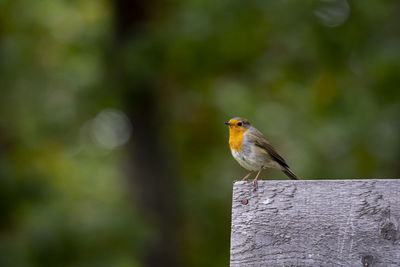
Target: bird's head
(238, 124)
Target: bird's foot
(239, 180)
(255, 184)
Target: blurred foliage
(319, 78)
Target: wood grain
(316, 223)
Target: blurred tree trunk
(149, 170)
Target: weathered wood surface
(316, 223)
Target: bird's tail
(289, 173)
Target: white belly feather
(254, 160)
(244, 160)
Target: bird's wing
(259, 140)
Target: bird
(252, 151)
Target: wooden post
(316, 223)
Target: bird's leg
(244, 178)
(255, 179)
(247, 176)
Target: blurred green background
(113, 150)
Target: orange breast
(236, 136)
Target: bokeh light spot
(332, 13)
(111, 128)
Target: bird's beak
(228, 123)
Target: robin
(253, 151)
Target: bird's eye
(240, 124)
